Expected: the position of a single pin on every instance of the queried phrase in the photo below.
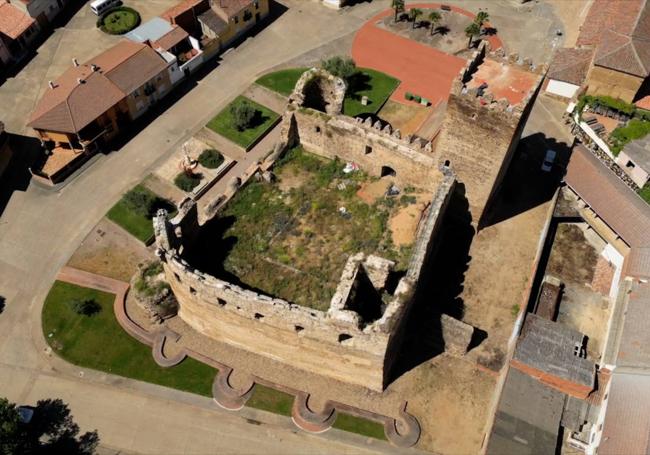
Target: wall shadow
(16, 177)
(526, 185)
(2, 304)
(439, 289)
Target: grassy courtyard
(375, 85)
(134, 212)
(291, 239)
(99, 343)
(223, 123)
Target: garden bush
(635, 129)
(141, 201)
(242, 114)
(408, 96)
(210, 159)
(343, 67)
(606, 101)
(187, 182)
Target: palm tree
(434, 20)
(414, 14)
(481, 18)
(471, 31)
(398, 6)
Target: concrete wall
(636, 173)
(604, 81)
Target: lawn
(290, 239)
(120, 20)
(282, 81)
(375, 85)
(137, 222)
(99, 343)
(635, 129)
(223, 124)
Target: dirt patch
(407, 118)
(404, 224)
(572, 258)
(292, 178)
(371, 192)
(110, 251)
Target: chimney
(93, 67)
(51, 84)
(75, 62)
(80, 81)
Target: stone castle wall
(479, 136)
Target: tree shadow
(258, 120)
(53, 430)
(525, 185)
(358, 82)
(442, 30)
(489, 31)
(439, 289)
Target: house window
(630, 165)
(318, 129)
(368, 150)
(236, 20)
(247, 16)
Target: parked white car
(99, 7)
(549, 160)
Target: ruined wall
(373, 147)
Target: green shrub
(187, 182)
(85, 307)
(211, 159)
(417, 98)
(141, 201)
(606, 101)
(408, 96)
(645, 193)
(242, 114)
(635, 129)
(343, 67)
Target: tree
(434, 19)
(481, 18)
(343, 67)
(471, 31)
(242, 114)
(85, 307)
(141, 201)
(414, 14)
(398, 6)
(51, 430)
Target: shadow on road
(17, 176)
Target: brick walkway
(423, 70)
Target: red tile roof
(617, 15)
(81, 94)
(570, 65)
(171, 39)
(179, 9)
(616, 204)
(13, 22)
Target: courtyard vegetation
(187, 181)
(210, 159)
(99, 343)
(243, 122)
(291, 239)
(135, 210)
(119, 21)
(282, 81)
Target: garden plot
(292, 238)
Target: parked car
(549, 160)
(99, 7)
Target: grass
(99, 343)
(375, 85)
(282, 81)
(223, 124)
(134, 222)
(289, 239)
(645, 193)
(120, 20)
(635, 129)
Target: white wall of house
(562, 88)
(637, 174)
(175, 73)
